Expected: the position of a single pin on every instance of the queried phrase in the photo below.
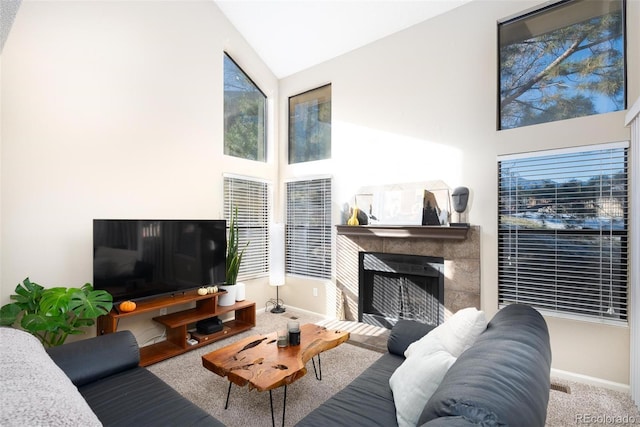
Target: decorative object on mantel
(460, 197)
(353, 220)
(358, 217)
(430, 211)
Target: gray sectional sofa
(502, 379)
(92, 382)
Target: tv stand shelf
(177, 323)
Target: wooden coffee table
(258, 362)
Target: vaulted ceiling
(292, 35)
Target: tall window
(308, 228)
(562, 231)
(310, 125)
(566, 60)
(245, 108)
(252, 199)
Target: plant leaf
(89, 303)
(234, 256)
(55, 301)
(28, 295)
(34, 323)
(9, 314)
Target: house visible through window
(562, 231)
(563, 61)
(244, 114)
(310, 125)
(308, 228)
(252, 198)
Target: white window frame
(552, 266)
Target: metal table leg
(226, 405)
(284, 407)
(318, 372)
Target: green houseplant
(234, 254)
(53, 314)
(234, 259)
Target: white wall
(420, 105)
(112, 110)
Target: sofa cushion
(416, 379)
(404, 333)
(366, 401)
(508, 365)
(456, 334)
(137, 397)
(35, 391)
(110, 353)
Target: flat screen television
(137, 259)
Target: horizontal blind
(562, 235)
(308, 228)
(251, 197)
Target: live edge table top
(260, 363)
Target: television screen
(134, 259)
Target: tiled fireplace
(461, 254)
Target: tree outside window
(310, 125)
(244, 114)
(561, 62)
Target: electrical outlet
(315, 292)
(163, 311)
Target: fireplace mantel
(405, 231)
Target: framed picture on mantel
(430, 210)
(406, 206)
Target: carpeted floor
(186, 374)
(586, 405)
(583, 405)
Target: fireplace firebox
(399, 286)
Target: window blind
(251, 197)
(562, 231)
(308, 228)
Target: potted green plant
(53, 314)
(234, 259)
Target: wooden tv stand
(177, 323)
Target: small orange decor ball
(127, 306)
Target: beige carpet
(584, 405)
(251, 408)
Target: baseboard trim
(290, 307)
(585, 379)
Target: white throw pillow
(415, 381)
(456, 334)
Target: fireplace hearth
(399, 286)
